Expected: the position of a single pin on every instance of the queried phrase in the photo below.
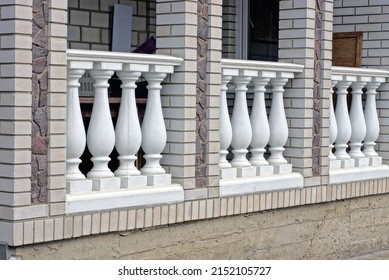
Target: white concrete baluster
(277, 123)
(358, 126)
(371, 118)
(333, 125)
(259, 123)
(128, 133)
(240, 121)
(153, 126)
(225, 124)
(101, 133)
(75, 131)
(342, 121)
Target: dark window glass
(263, 30)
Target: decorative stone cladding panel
(90, 23)
(207, 91)
(201, 93)
(370, 18)
(39, 135)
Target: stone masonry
(39, 145)
(316, 90)
(201, 91)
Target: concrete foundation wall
(334, 230)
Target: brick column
(176, 34)
(56, 105)
(213, 94)
(305, 36)
(325, 87)
(15, 119)
(382, 147)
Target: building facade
(240, 138)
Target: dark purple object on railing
(149, 46)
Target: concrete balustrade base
(106, 184)
(264, 170)
(228, 173)
(79, 187)
(359, 162)
(132, 182)
(160, 179)
(244, 172)
(124, 198)
(282, 168)
(345, 175)
(260, 184)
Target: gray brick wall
(90, 23)
(228, 32)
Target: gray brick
(89, 5)
(74, 33)
(351, 3)
(107, 5)
(378, 2)
(73, 3)
(343, 11)
(100, 20)
(378, 18)
(79, 18)
(368, 10)
(355, 19)
(90, 34)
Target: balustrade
(259, 123)
(253, 134)
(333, 125)
(240, 122)
(129, 134)
(225, 124)
(75, 132)
(355, 129)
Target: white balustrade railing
(354, 129)
(128, 135)
(253, 133)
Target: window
(257, 29)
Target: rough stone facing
(316, 91)
(201, 90)
(39, 135)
